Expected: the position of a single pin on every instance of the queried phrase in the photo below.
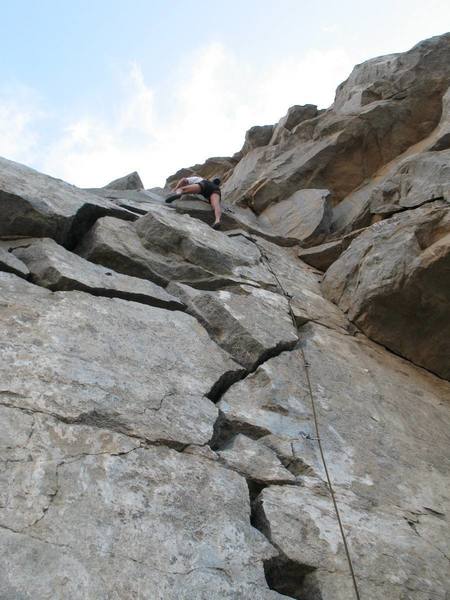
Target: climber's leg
(215, 204)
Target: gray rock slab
(211, 265)
(133, 196)
(88, 514)
(11, 264)
(34, 204)
(109, 362)
(323, 256)
(415, 178)
(396, 561)
(301, 282)
(255, 461)
(249, 323)
(384, 428)
(194, 242)
(132, 181)
(393, 282)
(233, 217)
(57, 269)
(304, 216)
(420, 179)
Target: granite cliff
(164, 385)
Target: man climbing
(209, 189)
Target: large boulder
(393, 282)
(384, 428)
(34, 204)
(386, 105)
(233, 217)
(57, 269)
(132, 181)
(166, 246)
(305, 216)
(109, 363)
(249, 323)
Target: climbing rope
(306, 365)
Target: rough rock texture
(173, 247)
(304, 216)
(146, 453)
(256, 462)
(394, 282)
(132, 181)
(11, 264)
(418, 175)
(130, 377)
(57, 269)
(302, 285)
(233, 217)
(33, 204)
(105, 518)
(383, 424)
(324, 255)
(249, 323)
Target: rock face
(165, 246)
(172, 537)
(294, 116)
(391, 499)
(305, 216)
(34, 204)
(377, 114)
(57, 269)
(164, 386)
(249, 323)
(394, 282)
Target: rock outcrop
(34, 204)
(386, 105)
(170, 394)
(394, 282)
(132, 181)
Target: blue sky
(92, 90)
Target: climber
(209, 189)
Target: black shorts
(208, 188)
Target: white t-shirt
(192, 180)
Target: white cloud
(214, 99)
(20, 115)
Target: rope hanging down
(305, 365)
